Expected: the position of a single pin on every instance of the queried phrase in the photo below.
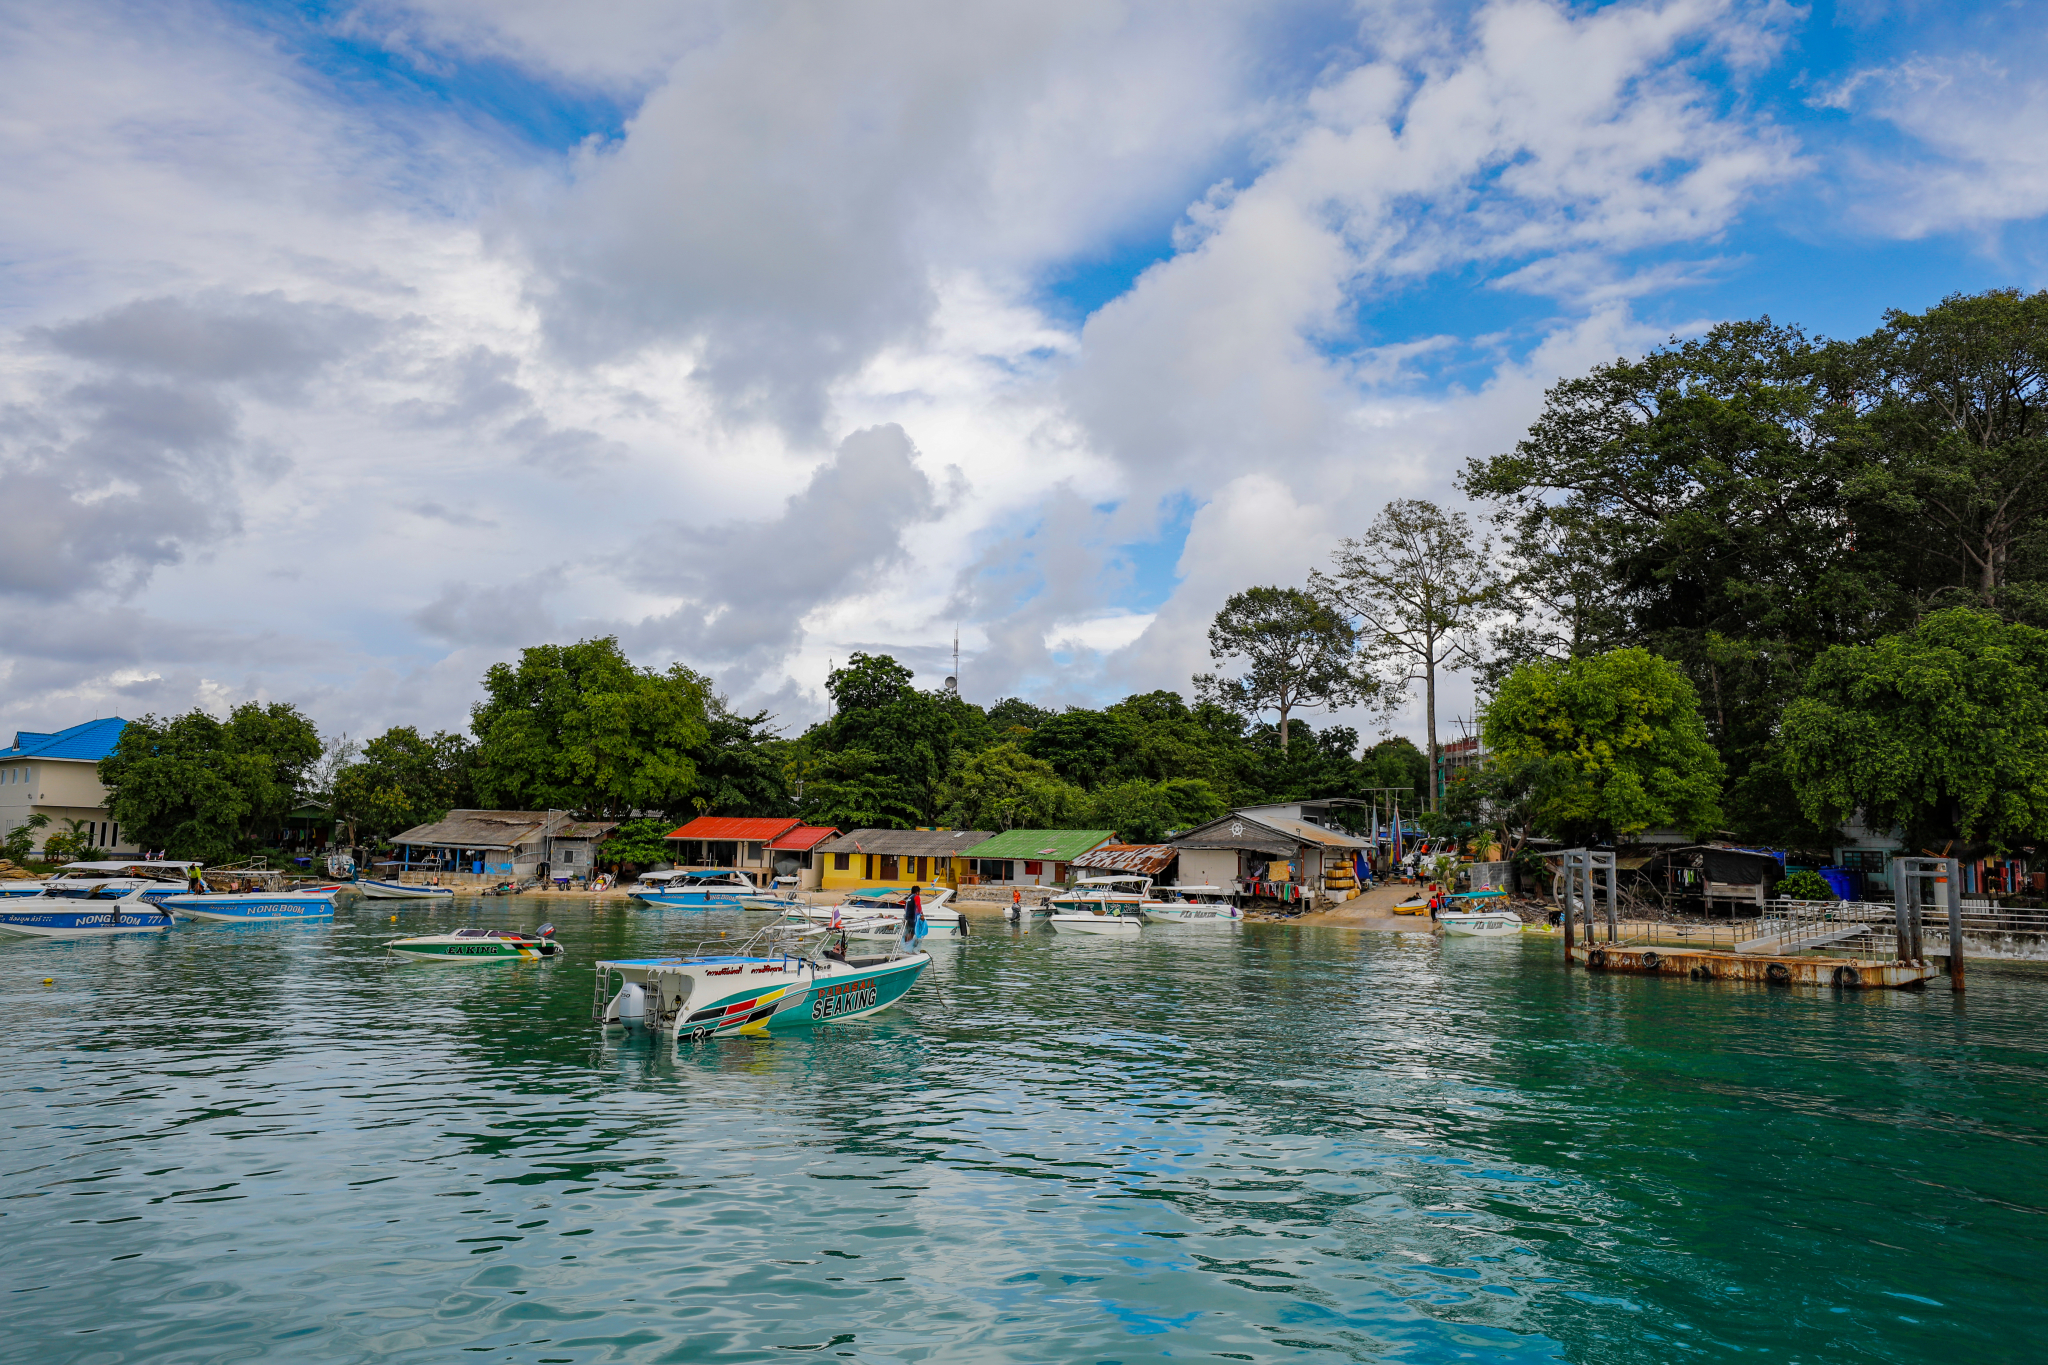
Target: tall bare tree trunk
(1429, 674)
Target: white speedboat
(1204, 905)
(155, 879)
(255, 907)
(880, 907)
(375, 890)
(1102, 905)
(96, 915)
(714, 890)
(1479, 916)
(779, 980)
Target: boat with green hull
(478, 945)
(778, 981)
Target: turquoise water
(1273, 1144)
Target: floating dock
(1842, 973)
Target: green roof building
(1032, 857)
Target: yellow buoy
(394, 919)
(49, 981)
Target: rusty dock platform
(1841, 973)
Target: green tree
(881, 759)
(1396, 762)
(1956, 427)
(73, 845)
(205, 789)
(403, 779)
(642, 843)
(1614, 744)
(1086, 748)
(21, 840)
(1013, 718)
(578, 727)
(1941, 731)
(1420, 582)
(1297, 654)
(740, 765)
(1143, 812)
(1006, 788)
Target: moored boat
(123, 911)
(1203, 905)
(777, 981)
(254, 907)
(715, 890)
(1477, 917)
(372, 889)
(478, 945)
(1113, 905)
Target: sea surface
(254, 1143)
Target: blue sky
(379, 339)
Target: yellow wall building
(869, 858)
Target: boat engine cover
(632, 1005)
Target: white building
(58, 775)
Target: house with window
(57, 774)
(896, 857)
(763, 847)
(501, 845)
(1033, 857)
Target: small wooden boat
(479, 945)
(372, 889)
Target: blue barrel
(1841, 881)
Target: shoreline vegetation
(1756, 585)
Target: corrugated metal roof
(1060, 845)
(1312, 834)
(500, 829)
(919, 843)
(1146, 859)
(89, 742)
(751, 828)
(803, 837)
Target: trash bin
(1841, 881)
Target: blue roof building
(56, 774)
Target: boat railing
(1861, 929)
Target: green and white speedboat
(479, 945)
(779, 980)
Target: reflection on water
(258, 1142)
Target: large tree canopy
(402, 779)
(578, 727)
(1006, 788)
(882, 758)
(1941, 731)
(208, 789)
(1296, 653)
(1612, 745)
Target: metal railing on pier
(1859, 929)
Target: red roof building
(802, 839)
(745, 828)
(750, 844)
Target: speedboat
(1479, 917)
(155, 880)
(400, 891)
(782, 899)
(479, 945)
(250, 907)
(1101, 905)
(779, 980)
(879, 910)
(714, 890)
(96, 914)
(1210, 905)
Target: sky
(346, 349)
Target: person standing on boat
(913, 916)
(1016, 905)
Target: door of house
(889, 867)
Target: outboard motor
(632, 1005)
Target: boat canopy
(1206, 890)
(126, 864)
(1113, 880)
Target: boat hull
(703, 998)
(1106, 926)
(1466, 925)
(692, 900)
(399, 891)
(253, 907)
(464, 952)
(86, 921)
(1209, 915)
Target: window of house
(568, 855)
(1033, 869)
(890, 869)
(841, 861)
(754, 853)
